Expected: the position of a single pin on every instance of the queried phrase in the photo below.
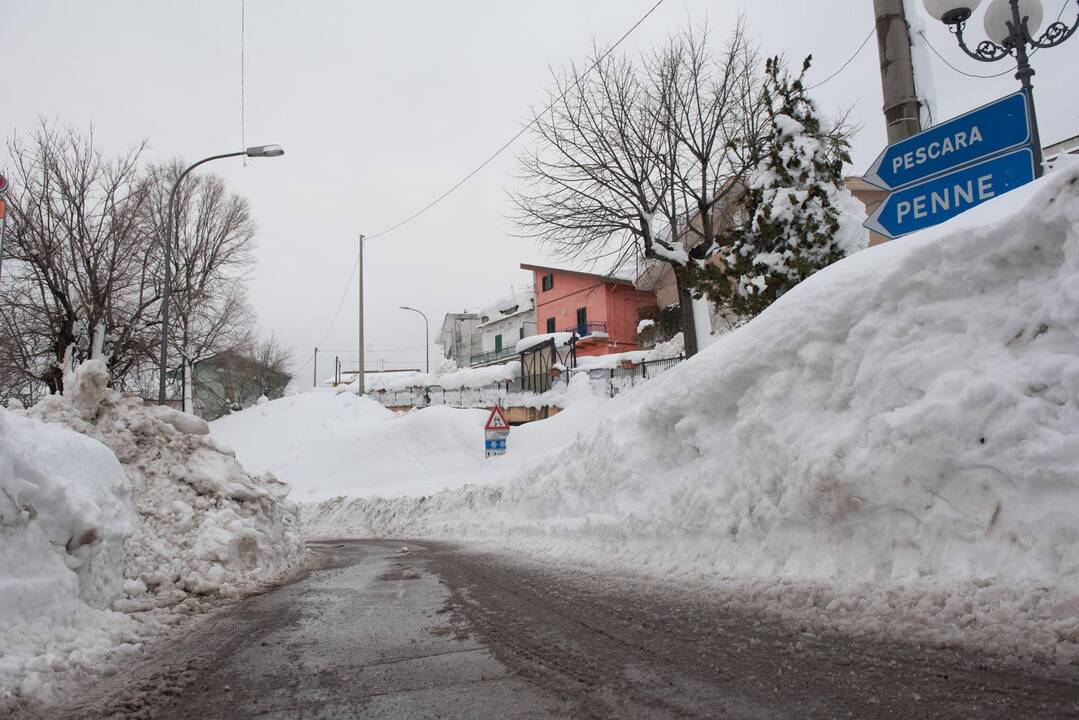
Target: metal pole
(171, 228)
(315, 378)
(427, 342)
(901, 106)
(359, 374)
(1023, 73)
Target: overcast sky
(381, 106)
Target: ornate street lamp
(1012, 26)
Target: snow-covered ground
(897, 433)
(328, 444)
(116, 520)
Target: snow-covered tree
(793, 200)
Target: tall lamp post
(426, 336)
(172, 235)
(1012, 27)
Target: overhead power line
(518, 134)
(471, 174)
(844, 65)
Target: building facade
(602, 310)
(502, 324)
(459, 337)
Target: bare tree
(272, 359)
(636, 156)
(212, 252)
(77, 258)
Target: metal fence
(606, 381)
(611, 381)
(485, 397)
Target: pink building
(601, 310)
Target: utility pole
(359, 371)
(901, 106)
(316, 368)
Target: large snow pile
(65, 510)
(327, 444)
(904, 421)
(205, 526)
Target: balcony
(594, 328)
(489, 358)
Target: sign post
(941, 172)
(496, 432)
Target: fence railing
(587, 328)
(605, 381)
(611, 381)
(492, 356)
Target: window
(521, 331)
(498, 343)
(550, 325)
(547, 283)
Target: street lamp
(1011, 26)
(172, 233)
(426, 336)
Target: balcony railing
(589, 328)
(493, 356)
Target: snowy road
(438, 632)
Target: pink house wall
(614, 303)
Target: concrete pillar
(901, 106)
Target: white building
(503, 323)
(459, 337)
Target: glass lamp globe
(999, 14)
(951, 11)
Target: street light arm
(987, 50)
(1056, 33)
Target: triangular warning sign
(497, 420)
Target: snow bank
(900, 427)
(327, 445)
(65, 510)
(205, 526)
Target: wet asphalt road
(438, 632)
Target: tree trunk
(189, 388)
(685, 306)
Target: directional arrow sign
(942, 198)
(992, 128)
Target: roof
(451, 318)
(521, 300)
(601, 278)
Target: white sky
(383, 106)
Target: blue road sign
(495, 444)
(941, 198)
(1001, 125)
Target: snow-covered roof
(520, 300)
(561, 339)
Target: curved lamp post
(426, 336)
(1012, 26)
(172, 234)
